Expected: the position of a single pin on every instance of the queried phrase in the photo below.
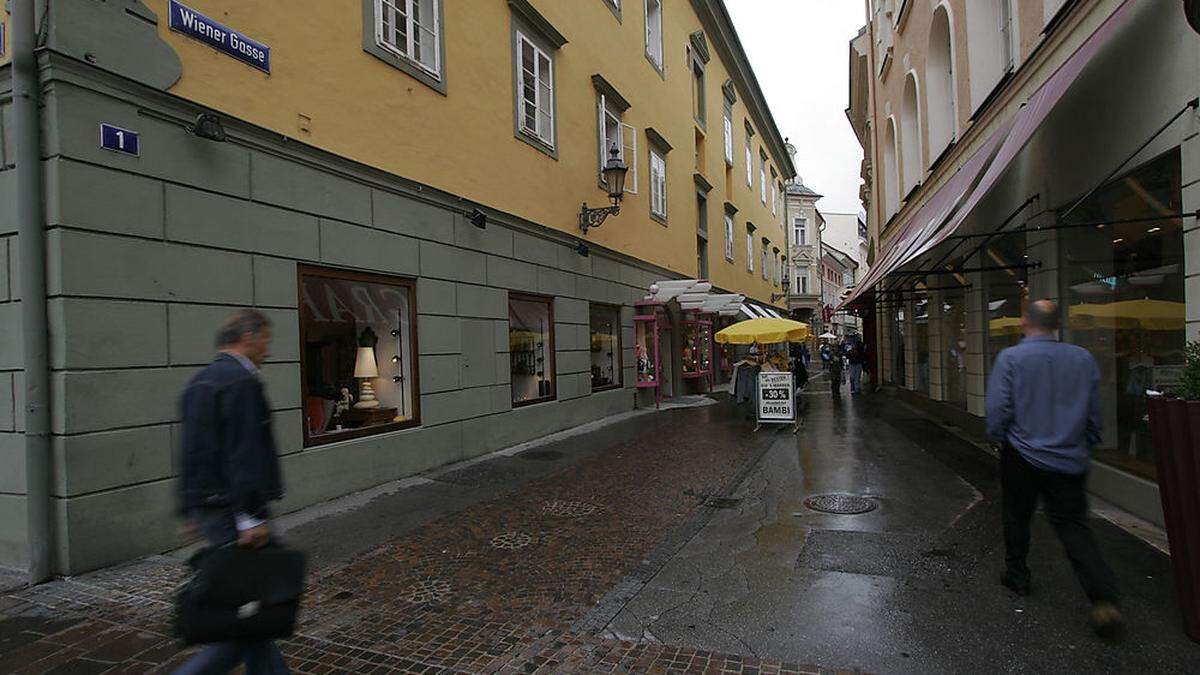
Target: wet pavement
(674, 541)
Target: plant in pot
(1175, 427)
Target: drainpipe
(32, 243)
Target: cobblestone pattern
(443, 599)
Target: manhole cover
(845, 505)
(427, 590)
(511, 541)
(541, 455)
(567, 509)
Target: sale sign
(776, 402)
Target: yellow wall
(463, 142)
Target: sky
(799, 50)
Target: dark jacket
(227, 454)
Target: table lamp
(364, 369)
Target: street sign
(776, 402)
(217, 35)
(120, 140)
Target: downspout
(31, 233)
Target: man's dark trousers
(1065, 500)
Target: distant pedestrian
(1043, 406)
(826, 355)
(835, 369)
(856, 356)
(229, 468)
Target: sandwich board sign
(776, 399)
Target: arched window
(990, 40)
(939, 83)
(891, 170)
(910, 136)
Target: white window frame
(774, 200)
(762, 178)
(626, 144)
(729, 237)
(749, 251)
(654, 47)
(411, 27)
(658, 184)
(749, 160)
(728, 126)
(544, 135)
(800, 230)
(765, 271)
(802, 277)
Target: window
(531, 348)
(750, 251)
(749, 158)
(729, 237)
(536, 91)
(774, 195)
(774, 270)
(701, 257)
(800, 231)
(359, 374)
(762, 177)
(727, 123)
(411, 30)
(654, 33)
(698, 92)
(803, 278)
(605, 343)
(658, 185)
(766, 266)
(616, 134)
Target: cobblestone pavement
(521, 583)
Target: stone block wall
(146, 255)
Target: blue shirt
(1043, 398)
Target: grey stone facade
(146, 255)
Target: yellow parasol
(763, 332)
(1005, 325)
(1146, 314)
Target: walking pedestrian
(855, 357)
(1043, 407)
(229, 468)
(835, 370)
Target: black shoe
(1019, 587)
(1106, 620)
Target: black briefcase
(240, 594)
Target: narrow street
(664, 542)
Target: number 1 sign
(119, 140)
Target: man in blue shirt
(1043, 407)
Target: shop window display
(605, 343)
(1006, 292)
(954, 347)
(358, 367)
(1124, 291)
(531, 348)
(921, 336)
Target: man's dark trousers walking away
(230, 470)
(1043, 407)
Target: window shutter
(629, 152)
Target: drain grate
(541, 455)
(843, 505)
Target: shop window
(407, 34)
(531, 348)
(605, 343)
(1124, 290)
(358, 359)
(1006, 291)
(921, 336)
(954, 347)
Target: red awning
(941, 216)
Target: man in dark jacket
(230, 471)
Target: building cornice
(718, 25)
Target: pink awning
(941, 216)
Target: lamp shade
(364, 363)
(614, 173)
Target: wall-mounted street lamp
(614, 177)
(786, 282)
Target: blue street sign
(219, 36)
(120, 140)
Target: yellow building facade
(326, 90)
